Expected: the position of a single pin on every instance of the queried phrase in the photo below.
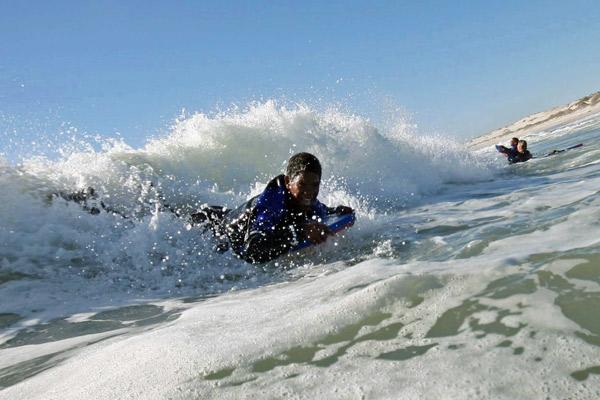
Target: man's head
(514, 142)
(303, 178)
(522, 146)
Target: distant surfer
(517, 152)
(274, 222)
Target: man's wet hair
(515, 139)
(302, 162)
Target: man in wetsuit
(283, 215)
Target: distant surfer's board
(560, 151)
(336, 223)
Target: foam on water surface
(347, 334)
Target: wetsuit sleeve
(261, 246)
(501, 149)
(506, 151)
(270, 236)
(324, 211)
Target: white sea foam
(237, 333)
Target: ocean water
(463, 277)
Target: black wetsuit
(260, 230)
(266, 226)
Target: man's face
(304, 188)
(514, 143)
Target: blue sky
(460, 68)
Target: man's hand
(341, 210)
(316, 232)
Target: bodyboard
(335, 222)
(562, 150)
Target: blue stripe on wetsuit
(269, 209)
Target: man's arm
(261, 246)
(503, 150)
(341, 210)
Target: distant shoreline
(537, 122)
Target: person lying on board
(286, 213)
